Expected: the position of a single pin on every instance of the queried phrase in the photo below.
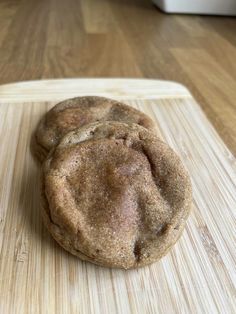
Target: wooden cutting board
(37, 276)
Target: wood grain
(123, 38)
(38, 276)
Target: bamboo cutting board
(37, 276)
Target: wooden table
(131, 38)
(37, 276)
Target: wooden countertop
(101, 38)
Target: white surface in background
(219, 7)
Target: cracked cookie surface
(115, 194)
(76, 112)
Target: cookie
(114, 194)
(74, 113)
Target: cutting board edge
(64, 88)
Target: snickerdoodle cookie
(76, 112)
(115, 194)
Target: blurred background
(125, 38)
